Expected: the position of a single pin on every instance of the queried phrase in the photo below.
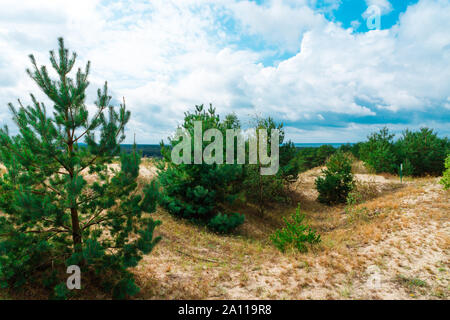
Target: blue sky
(352, 10)
(312, 64)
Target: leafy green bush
(295, 233)
(223, 223)
(445, 181)
(379, 152)
(338, 180)
(422, 152)
(197, 192)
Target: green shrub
(445, 181)
(223, 223)
(337, 181)
(379, 152)
(295, 233)
(422, 152)
(197, 192)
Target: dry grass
(397, 233)
(402, 230)
(360, 167)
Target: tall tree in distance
(52, 215)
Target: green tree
(379, 151)
(311, 157)
(322, 154)
(200, 192)
(337, 181)
(295, 233)
(289, 167)
(423, 152)
(53, 216)
(264, 189)
(351, 148)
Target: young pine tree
(52, 216)
(423, 152)
(379, 151)
(265, 189)
(201, 192)
(337, 180)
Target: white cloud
(355, 24)
(281, 22)
(384, 6)
(166, 56)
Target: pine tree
(379, 151)
(337, 180)
(200, 192)
(52, 216)
(263, 190)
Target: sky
(318, 66)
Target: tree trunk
(76, 231)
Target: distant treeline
(148, 150)
(154, 150)
(419, 152)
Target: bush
(338, 180)
(198, 192)
(445, 181)
(295, 233)
(422, 152)
(379, 152)
(223, 223)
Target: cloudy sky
(312, 64)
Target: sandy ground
(394, 245)
(400, 250)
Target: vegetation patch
(295, 233)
